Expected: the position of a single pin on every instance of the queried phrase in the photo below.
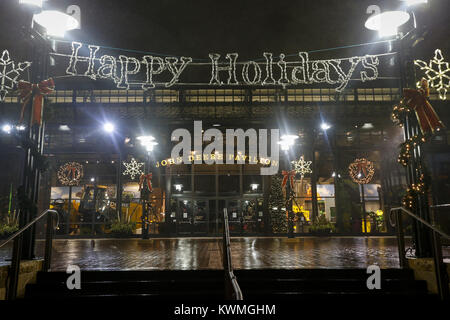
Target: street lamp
(414, 2)
(148, 142)
(387, 23)
(34, 3)
(287, 141)
(33, 134)
(7, 128)
(325, 126)
(56, 23)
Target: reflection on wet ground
(205, 253)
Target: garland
(414, 191)
(415, 101)
(407, 147)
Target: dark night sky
(250, 27)
(196, 27)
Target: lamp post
(392, 20)
(286, 142)
(148, 142)
(34, 130)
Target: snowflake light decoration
(133, 168)
(9, 73)
(437, 73)
(301, 166)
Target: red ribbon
(417, 100)
(73, 170)
(27, 90)
(362, 167)
(288, 175)
(148, 178)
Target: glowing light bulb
(109, 127)
(56, 23)
(387, 23)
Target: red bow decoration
(27, 90)
(288, 175)
(362, 167)
(148, 178)
(417, 100)
(71, 170)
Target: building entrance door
(244, 215)
(201, 217)
(192, 217)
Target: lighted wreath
(361, 171)
(70, 174)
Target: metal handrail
(429, 225)
(29, 224)
(440, 205)
(440, 268)
(232, 289)
(17, 250)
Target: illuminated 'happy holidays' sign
(149, 71)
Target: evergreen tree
(277, 203)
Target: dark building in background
(188, 199)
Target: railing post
(15, 268)
(400, 240)
(48, 243)
(440, 267)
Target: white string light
(133, 168)
(269, 69)
(371, 65)
(282, 64)
(256, 71)
(302, 71)
(108, 68)
(302, 167)
(150, 71)
(9, 73)
(437, 73)
(125, 71)
(176, 72)
(231, 68)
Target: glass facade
(189, 199)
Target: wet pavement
(205, 253)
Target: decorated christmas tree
(277, 209)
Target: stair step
(191, 296)
(330, 284)
(323, 273)
(91, 275)
(209, 284)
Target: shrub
(123, 229)
(322, 225)
(7, 230)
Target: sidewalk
(205, 253)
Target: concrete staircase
(208, 285)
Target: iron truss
(227, 103)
